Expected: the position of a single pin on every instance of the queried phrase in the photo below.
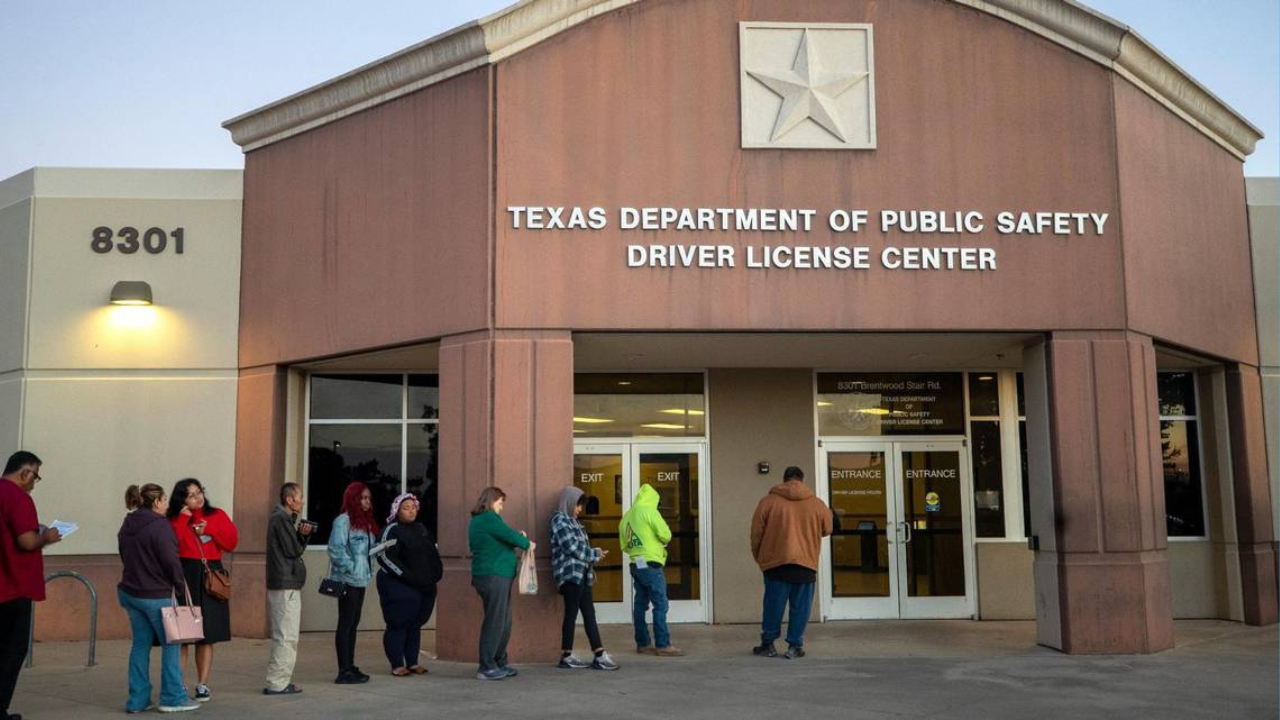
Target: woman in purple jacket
(152, 575)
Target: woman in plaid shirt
(571, 559)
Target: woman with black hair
(204, 534)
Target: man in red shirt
(22, 537)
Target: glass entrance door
(610, 475)
(903, 545)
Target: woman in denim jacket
(349, 543)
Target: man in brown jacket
(786, 540)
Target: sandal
(401, 672)
(418, 670)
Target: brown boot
(668, 651)
(645, 650)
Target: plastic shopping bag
(528, 579)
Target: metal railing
(93, 616)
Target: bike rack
(93, 616)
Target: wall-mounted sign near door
(875, 404)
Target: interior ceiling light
(591, 421)
(825, 403)
(873, 411)
(663, 426)
(624, 383)
(986, 378)
(678, 411)
(131, 292)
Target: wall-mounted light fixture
(131, 292)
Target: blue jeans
(777, 595)
(650, 586)
(144, 619)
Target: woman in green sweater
(493, 570)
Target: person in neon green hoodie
(644, 535)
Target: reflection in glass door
(903, 545)
(610, 475)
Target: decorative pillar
(1097, 494)
(261, 417)
(1254, 524)
(506, 419)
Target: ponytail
(139, 497)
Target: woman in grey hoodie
(572, 558)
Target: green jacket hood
(647, 497)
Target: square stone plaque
(807, 85)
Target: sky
(148, 83)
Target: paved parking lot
(854, 670)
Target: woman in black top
(410, 569)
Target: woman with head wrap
(572, 558)
(410, 568)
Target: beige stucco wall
(755, 415)
(1193, 577)
(120, 395)
(1263, 195)
(1006, 581)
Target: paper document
(64, 528)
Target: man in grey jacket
(286, 574)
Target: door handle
(907, 526)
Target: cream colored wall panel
(194, 321)
(99, 435)
(1006, 581)
(15, 245)
(755, 415)
(1271, 421)
(128, 183)
(10, 415)
(1194, 579)
(1263, 196)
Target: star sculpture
(807, 91)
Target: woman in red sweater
(201, 527)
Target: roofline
(489, 40)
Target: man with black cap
(786, 541)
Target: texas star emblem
(807, 86)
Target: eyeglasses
(35, 476)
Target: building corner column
(261, 421)
(506, 408)
(1254, 523)
(1097, 494)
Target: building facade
(982, 269)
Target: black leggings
(578, 598)
(350, 603)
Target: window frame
(1199, 440)
(404, 422)
(1010, 449)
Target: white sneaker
(179, 708)
(604, 662)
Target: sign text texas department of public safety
(907, 224)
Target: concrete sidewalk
(854, 670)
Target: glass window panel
(1026, 477)
(356, 397)
(984, 394)
(675, 477)
(988, 479)
(1183, 499)
(933, 512)
(1022, 398)
(1177, 393)
(341, 454)
(860, 548)
(424, 397)
(600, 479)
(875, 404)
(638, 405)
(422, 459)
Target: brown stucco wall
(371, 231)
(1187, 263)
(973, 113)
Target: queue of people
(171, 544)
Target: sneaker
(179, 708)
(793, 652)
(573, 662)
(494, 674)
(131, 712)
(765, 650)
(510, 671)
(364, 678)
(645, 649)
(202, 693)
(668, 651)
(346, 677)
(604, 662)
